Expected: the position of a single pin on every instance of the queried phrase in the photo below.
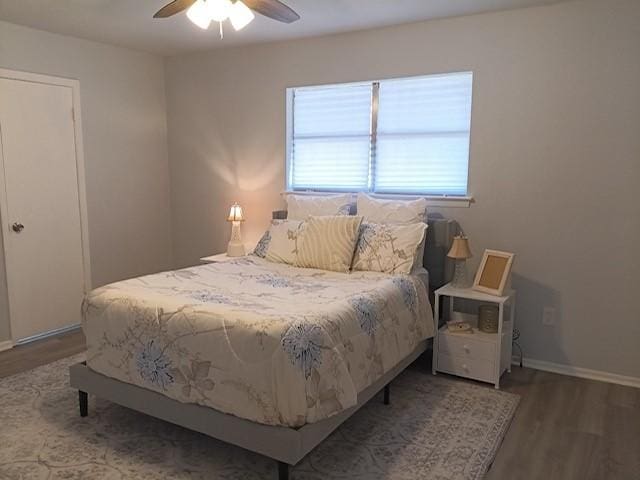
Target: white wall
(125, 142)
(555, 154)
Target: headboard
(439, 238)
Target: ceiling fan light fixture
(219, 10)
(240, 15)
(199, 14)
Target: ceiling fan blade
(273, 9)
(174, 7)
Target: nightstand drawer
(466, 367)
(459, 345)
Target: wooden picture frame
(493, 272)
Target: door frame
(76, 114)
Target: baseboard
(41, 336)
(6, 345)
(578, 372)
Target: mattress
(267, 342)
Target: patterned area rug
(435, 428)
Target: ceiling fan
(239, 12)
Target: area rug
(435, 428)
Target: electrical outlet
(549, 316)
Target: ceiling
(129, 23)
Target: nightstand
(478, 355)
(219, 258)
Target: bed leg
(387, 394)
(283, 471)
(83, 401)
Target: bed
(266, 356)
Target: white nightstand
(478, 355)
(219, 258)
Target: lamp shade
(219, 10)
(460, 248)
(198, 13)
(240, 15)
(236, 214)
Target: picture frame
(493, 272)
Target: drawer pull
(465, 368)
(466, 349)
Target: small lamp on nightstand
(236, 247)
(460, 252)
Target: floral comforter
(267, 342)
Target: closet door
(42, 231)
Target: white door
(41, 219)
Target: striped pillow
(329, 243)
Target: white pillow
(285, 238)
(301, 207)
(388, 248)
(399, 212)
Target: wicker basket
(488, 318)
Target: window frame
(434, 199)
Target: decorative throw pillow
(418, 263)
(388, 248)
(300, 207)
(262, 246)
(329, 242)
(398, 212)
(285, 237)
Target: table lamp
(236, 247)
(460, 252)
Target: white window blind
(405, 136)
(331, 143)
(423, 135)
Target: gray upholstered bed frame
(284, 444)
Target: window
(402, 136)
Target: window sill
(445, 201)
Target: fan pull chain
(221, 31)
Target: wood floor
(569, 428)
(565, 428)
(32, 355)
